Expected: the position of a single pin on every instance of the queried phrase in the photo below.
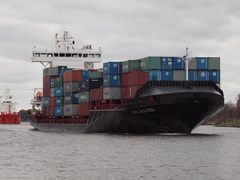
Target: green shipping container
(52, 92)
(131, 65)
(151, 63)
(58, 81)
(83, 97)
(95, 74)
(214, 63)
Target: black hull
(157, 108)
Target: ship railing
(63, 119)
(183, 84)
(106, 104)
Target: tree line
(229, 114)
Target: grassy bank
(230, 123)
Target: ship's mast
(186, 59)
(66, 42)
(7, 95)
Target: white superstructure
(36, 102)
(66, 53)
(7, 106)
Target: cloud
(124, 29)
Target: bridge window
(74, 55)
(43, 54)
(97, 55)
(80, 55)
(55, 54)
(68, 55)
(91, 55)
(36, 54)
(85, 55)
(62, 55)
(49, 55)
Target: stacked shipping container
(133, 77)
(204, 69)
(70, 92)
(112, 80)
(53, 91)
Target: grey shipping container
(70, 110)
(112, 93)
(51, 71)
(193, 63)
(214, 63)
(71, 87)
(68, 99)
(83, 97)
(46, 101)
(179, 75)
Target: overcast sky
(124, 29)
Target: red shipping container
(52, 102)
(46, 80)
(46, 92)
(135, 78)
(83, 109)
(51, 110)
(71, 76)
(46, 86)
(96, 94)
(129, 92)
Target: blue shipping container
(111, 80)
(167, 75)
(166, 63)
(62, 69)
(214, 76)
(58, 111)
(58, 101)
(52, 83)
(71, 98)
(86, 74)
(202, 63)
(178, 63)
(46, 101)
(154, 75)
(58, 91)
(75, 98)
(112, 68)
(192, 75)
(203, 76)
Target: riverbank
(230, 123)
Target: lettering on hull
(143, 111)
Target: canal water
(209, 153)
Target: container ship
(8, 114)
(155, 94)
